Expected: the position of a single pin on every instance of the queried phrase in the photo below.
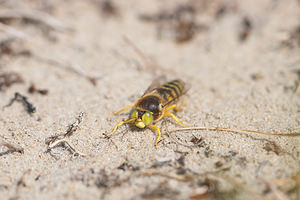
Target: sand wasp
(155, 104)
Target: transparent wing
(156, 83)
(187, 87)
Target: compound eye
(147, 118)
(134, 114)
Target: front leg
(158, 132)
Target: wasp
(156, 103)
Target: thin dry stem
(148, 63)
(35, 16)
(14, 33)
(68, 67)
(168, 175)
(209, 128)
(13, 147)
(138, 51)
(59, 139)
(154, 173)
(64, 141)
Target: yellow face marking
(146, 120)
(139, 123)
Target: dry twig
(14, 33)
(209, 128)
(153, 173)
(20, 98)
(36, 16)
(32, 89)
(61, 139)
(70, 68)
(149, 65)
(8, 79)
(13, 147)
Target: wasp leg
(175, 118)
(124, 109)
(175, 107)
(179, 107)
(158, 132)
(119, 124)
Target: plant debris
(246, 29)
(102, 180)
(20, 183)
(161, 191)
(297, 82)
(207, 152)
(218, 164)
(198, 142)
(160, 163)
(293, 38)
(12, 147)
(70, 68)
(211, 190)
(87, 177)
(5, 46)
(179, 24)
(109, 8)
(32, 89)
(257, 76)
(34, 16)
(20, 98)
(221, 11)
(238, 131)
(53, 141)
(13, 33)
(230, 156)
(8, 79)
(272, 146)
(181, 160)
(125, 167)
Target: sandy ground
(242, 61)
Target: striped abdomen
(171, 91)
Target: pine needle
(209, 128)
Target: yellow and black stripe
(171, 90)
